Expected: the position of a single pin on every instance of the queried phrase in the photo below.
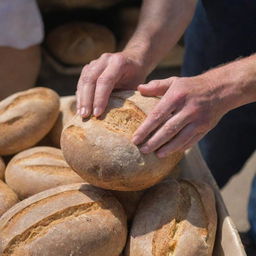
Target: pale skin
(189, 107)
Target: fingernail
(97, 112)
(136, 140)
(78, 111)
(144, 149)
(84, 112)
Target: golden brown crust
(174, 219)
(104, 154)
(8, 198)
(26, 117)
(2, 168)
(79, 43)
(38, 169)
(67, 112)
(75, 219)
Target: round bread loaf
(8, 198)
(38, 169)
(101, 152)
(174, 218)
(26, 117)
(79, 43)
(67, 112)
(68, 4)
(75, 219)
(2, 168)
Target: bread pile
(144, 211)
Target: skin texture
(23, 65)
(189, 107)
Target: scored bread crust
(78, 43)
(174, 219)
(67, 112)
(38, 169)
(8, 198)
(26, 117)
(101, 151)
(75, 219)
(2, 168)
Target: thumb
(155, 87)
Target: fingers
(162, 112)
(180, 141)
(171, 128)
(155, 87)
(106, 83)
(87, 84)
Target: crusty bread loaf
(69, 4)
(38, 169)
(26, 117)
(2, 168)
(79, 43)
(101, 151)
(174, 219)
(67, 112)
(8, 198)
(76, 219)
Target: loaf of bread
(79, 43)
(38, 169)
(67, 112)
(101, 152)
(2, 168)
(8, 198)
(75, 219)
(47, 5)
(176, 219)
(26, 117)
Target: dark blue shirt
(221, 31)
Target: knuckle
(157, 116)
(170, 129)
(103, 80)
(120, 59)
(106, 55)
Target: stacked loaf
(61, 215)
(78, 43)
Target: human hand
(101, 76)
(189, 108)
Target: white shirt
(21, 24)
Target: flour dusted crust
(78, 43)
(101, 151)
(67, 112)
(8, 198)
(38, 169)
(75, 219)
(174, 219)
(26, 117)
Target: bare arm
(190, 107)
(161, 24)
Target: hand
(101, 76)
(189, 108)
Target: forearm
(161, 25)
(235, 82)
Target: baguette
(2, 168)
(78, 43)
(67, 112)
(75, 219)
(101, 152)
(8, 198)
(174, 219)
(26, 117)
(38, 169)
